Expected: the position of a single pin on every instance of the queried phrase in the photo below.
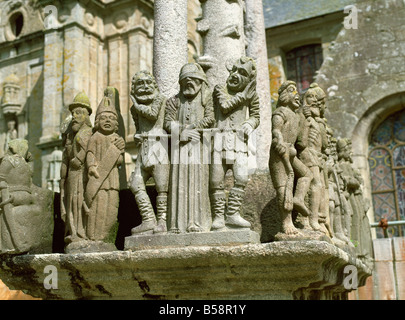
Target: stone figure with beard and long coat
(148, 112)
(187, 115)
(73, 168)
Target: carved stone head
(191, 79)
(241, 74)
(144, 87)
(288, 96)
(311, 100)
(344, 151)
(106, 120)
(81, 110)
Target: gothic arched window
(302, 65)
(387, 169)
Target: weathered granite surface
(278, 270)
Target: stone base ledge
(278, 270)
(218, 238)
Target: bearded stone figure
(73, 169)
(188, 114)
(313, 155)
(237, 114)
(148, 112)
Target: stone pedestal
(226, 238)
(277, 270)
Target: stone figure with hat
(105, 153)
(237, 114)
(188, 115)
(73, 168)
(285, 166)
(148, 112)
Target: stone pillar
(257, 49)
(169, 44)
(222, 29)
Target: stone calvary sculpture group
(187, 143)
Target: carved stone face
(79, 116)
(107, 122)
(311, 100)
(239, 76)
(144, 89)
(290, 97)
(190, 87)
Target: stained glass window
(302, 64)
(387, 170)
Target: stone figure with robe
(105, 153)
(73, 168)
(187, 115)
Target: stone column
(222, 29)
(257, 49)
(169, 44)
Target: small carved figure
(187, 115)
(284, 163)
(105, 152)
(73, 169)
(11, 133)
(237, 114)
(148, 112)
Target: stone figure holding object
(148, 112)
(73, 168)
(105, 153)
(187, 115)
(284, 164)
(237, 114)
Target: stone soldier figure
(73, 169)
(284, 163)
(187, 115)
(105, 153)
(148, 112)
(237, 114)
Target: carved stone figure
(237, 114)
(187, 115)
(348, 183)
(313, 155)
(26, 211)
(284, 163)
(148, 112)
(338, 207)
(105, 152)
(11, 133)
(73, 169)
(359, 230)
